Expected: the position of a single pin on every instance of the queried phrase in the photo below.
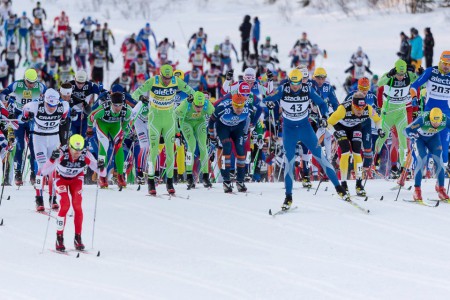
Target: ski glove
(270, 104)
(190, 98)
(55, 155)
(229, 74)
(260, 143)
(213, 142)
(414, 102)
(144, 99)
(89, 132)
(323, 122)
(340, 134)
(101, 165)
(381, 133)
(392, 72)
(420, 70)
(413, 135)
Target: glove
(420, 71)
(144, 99)
(260, 143)
(73, 113)
(323, 122)
(392, 72)
(381, 133)
(178, 140)
(269, 75)
(89, 132)
(229, 74)
(270, 104)
(413, 135)
(338, 134)
(190, 98)
(11, 116)
(213, 142)
(414, 102)
(55, 154)
(101, 165)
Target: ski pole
(46, 230)
(95, 213)
(23, 164)
(320, 182)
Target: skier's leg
(189, 135)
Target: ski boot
(78, 243)
(60, 243)
(169, 186)
(40, 203)
(395, 172)
(121, 183)
(442, 194)
(190, 181)
(140, 178)
(345, 186)
(306, 182)
(151, 187)
(359, 188)
(342, 192)
(287, 203)
(103, 182)
(32, 177)
(18, 178)
(206, 182)
(53, 203)
(417, 196)
(241, 186)
(227, 188)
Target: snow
(217, 246)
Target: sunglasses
(198, 106)
(77, 150)
(359, 108)
(295, 83)
(236, 105)
(320, 77)
(401, 74)
(117, 104)
(445, 63)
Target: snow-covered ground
(217, 246)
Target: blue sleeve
(214, 117)
(422, 79)
(317, 100)
(8, 90)
(333, 99)
(186, 78)
(130, 99)
(204, 83)
(95, 89)
(349, 95)
(447, 123)
(276, 97)
(414, 126)
(154, 38)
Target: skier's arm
(96, 114)
(368, 70)
(317, 100)
(91, 162)
(275, 98)
(422, 78)
(384, 80)
(332, 98)
(183, 86)
(50, 165)
(335, 117)
(181, 110)
(374, 116)
(143, 89)
(210, 109)
(414, 126)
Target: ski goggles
(295, 83)
(445, 63)
(117, 104)
(238, 105)
(75, 149)
(320, 76)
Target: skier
(345, 124)
(24, 25)
(293, 97)
(424, 130)
(68, 164)
(230, 122)
(111, 120)
(437, 82)
(39, 13)
(10, 53)
(161, 119)
(192, 114)
(225, 49)
(61, 22)
(144, 35)
(245, 30)
(47, 114)
(396, 97)
(360, 55)
(23, 91)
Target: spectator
(405, 48)
(428, 45)
(245, 29)
(255, 34)
(416, 48)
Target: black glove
(229, 74)
(144, 99)
(212, 157)
(339, 134)
(73, 113)
(381, 133)
(55, 154)
(420, 71)
(190, 98)
(260, 143)
(26, 119)
(89, 132)
(392, 72)
(11, 116)
(270, 104)
(323, 122)
(213, 141)
(101, 165)
(269, 75)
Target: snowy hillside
(217, 246)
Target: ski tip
(98, 253)
(326, 189)
(78, 255)
(9, 198)
(270, 213)
(1, 222)
(367, 198)
(120, 189)
(410, 187)
(139, 188)
(368, 211)
(382, 197)
(436, 205)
